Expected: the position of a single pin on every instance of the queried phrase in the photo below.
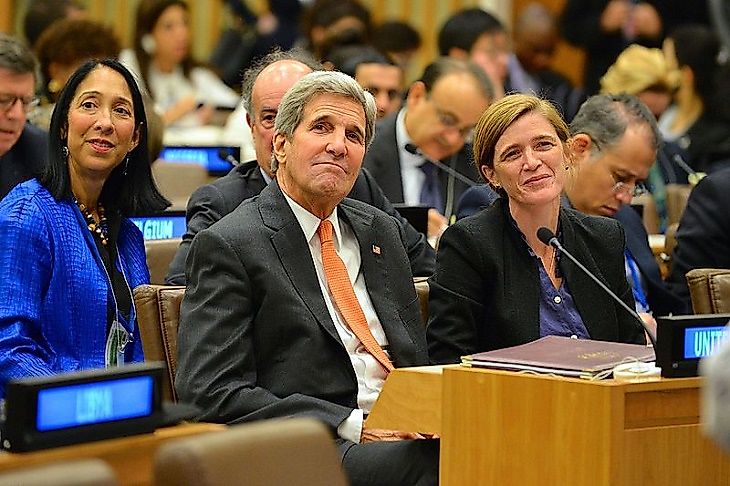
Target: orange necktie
(345, 299)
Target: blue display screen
(702, 341)
(160, 227)
(93, 403)
(208, 157)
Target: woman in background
(496, 284)
(61, 49)
(185, 93)
(70, 257)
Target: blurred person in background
(329, 22)
(480, 37)
(22, 146)
(399, 40)
(184, 92)
(61, 49)
(375, 72)
(535, 39)
(71, 257)
(40, 14)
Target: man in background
(23, 147)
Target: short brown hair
(501, 115)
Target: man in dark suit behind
(22, 146)
(263, 87)
(439, 114)
(263, 330)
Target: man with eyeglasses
(614, 144)
(22, 146)
(435, 124)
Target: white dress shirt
(411, 174)
(369, 372)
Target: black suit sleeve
(217, 362)
(456, 298)
(703, 236)
(206, 206)
(420, 254)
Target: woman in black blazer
(496, 284)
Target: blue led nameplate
(700, 342)
(94, 403)
(208, 157)
(160, 227)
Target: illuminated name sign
(702, 341)
(208, 157)
(160, 227)
(93, 403)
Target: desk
(506, 428)
(131, 458)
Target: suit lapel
(293, 252)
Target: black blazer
(256, 340)
(211, 202)
(703, 236)
(383, 161)
(485, 291)
(25, 160)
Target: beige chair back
(709, 289)
(158, 315)
(159, 256)
(271, 452)
(650, 216)
(177, 181)
(87, 472)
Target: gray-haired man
(300, 301)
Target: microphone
(549, 238)
(412, 149)
(228, 157)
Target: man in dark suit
(263, 87)
(22, 146)
(614, 144)
(703, 236)
(441, 110)
(282, 317)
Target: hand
(646, 21)
(437, 223)
(180, 109)
(650, 323)
(614, 16)
(384, 435)
(205, 113)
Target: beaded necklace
(101, 229)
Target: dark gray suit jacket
(25, 160)
(382, 160)
(211, 202)
(256, 340)
(485, 291)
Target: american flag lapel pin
(376, 249)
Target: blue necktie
(431, 189)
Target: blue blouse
(54, 290)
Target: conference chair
(270, 452)
(177, 180)
(421, 284)
(709, 289)
(159, 256)
(87, 472)
(158, 315)
(649, 214)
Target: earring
(126, 166)
(54, 86)
(64, 151)
(148, 44)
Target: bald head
(267, 91)
(535, 38)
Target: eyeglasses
(7, 101)
(451, 122)
(633, 190)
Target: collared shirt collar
(310, 223)
(402, 139)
